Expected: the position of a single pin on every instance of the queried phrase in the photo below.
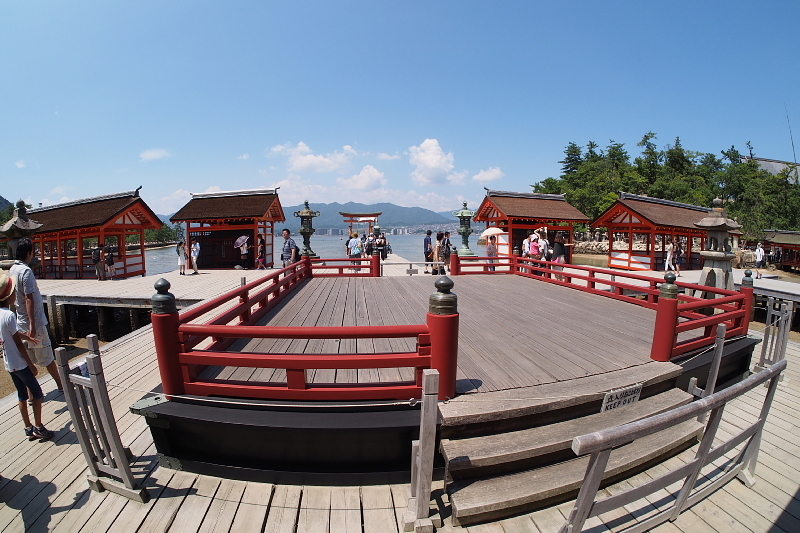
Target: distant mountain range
(391, 215)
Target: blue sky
(415, 103)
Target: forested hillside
(591, 178)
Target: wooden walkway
(136, 292)
(44, 487)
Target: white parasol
(494, 230)
(240, 241)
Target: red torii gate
(355, 218)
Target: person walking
(19, 364)
(30, 310)
(427, 248)
(678, 257)
(438, 255)
(181, 251)
(290, 252)
(354, 250)
(759, 260)
(447, 249)
(560, 253)
(99, 264)
(261, 260)
(669, 263)
(111, 270)
(195, 254)
(491, 250)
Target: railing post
(165, 322)
(443, 326)
(455, 264)
(417, 517)
(375, 262)
(747, 290)
(244, 301)
(664, 333)
(307, 265)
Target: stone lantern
(18, 227)
(717, 256)
(307, 228)
(464, 216)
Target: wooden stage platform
(546, 337)
(514, 332)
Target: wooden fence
(90, 411)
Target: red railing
(181, 363)
(369, 267)
(674, 316)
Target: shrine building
(218, 219)
(70, 231)
(517, 213)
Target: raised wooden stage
(514, 332)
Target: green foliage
(165, 234)
(592, 179)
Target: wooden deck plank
(283, 511)
(345, 514)
(378, 509)
(257, 504)
(223, 507)
(315, 510)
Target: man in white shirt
(30, 309)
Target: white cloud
(494, 173)
(20, 164)
(47, 202)
(432, 163)
(295, 190)
(301, 157)
(457, 178)
(170, 203)
(154, 154)
(213, 188)
(244, 156)
(369, 178)
(387, 157)
(59, 190)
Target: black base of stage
(331, 443)
(734, 367)
(322, 443)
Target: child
(18, 363)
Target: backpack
(96, 255)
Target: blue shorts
(24, 380)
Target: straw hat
(6, 286)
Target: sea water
(161, 260)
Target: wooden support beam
(105, 322)
(135, 319)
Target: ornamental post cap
(443, 302)
(464, 213)
(163, 301)
(306, 212)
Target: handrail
(180, 363)
(617, 436)
(601, 444)
(300, 332)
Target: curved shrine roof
(261, 203)
(658, 212)
(528, 205)
(93, 212)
